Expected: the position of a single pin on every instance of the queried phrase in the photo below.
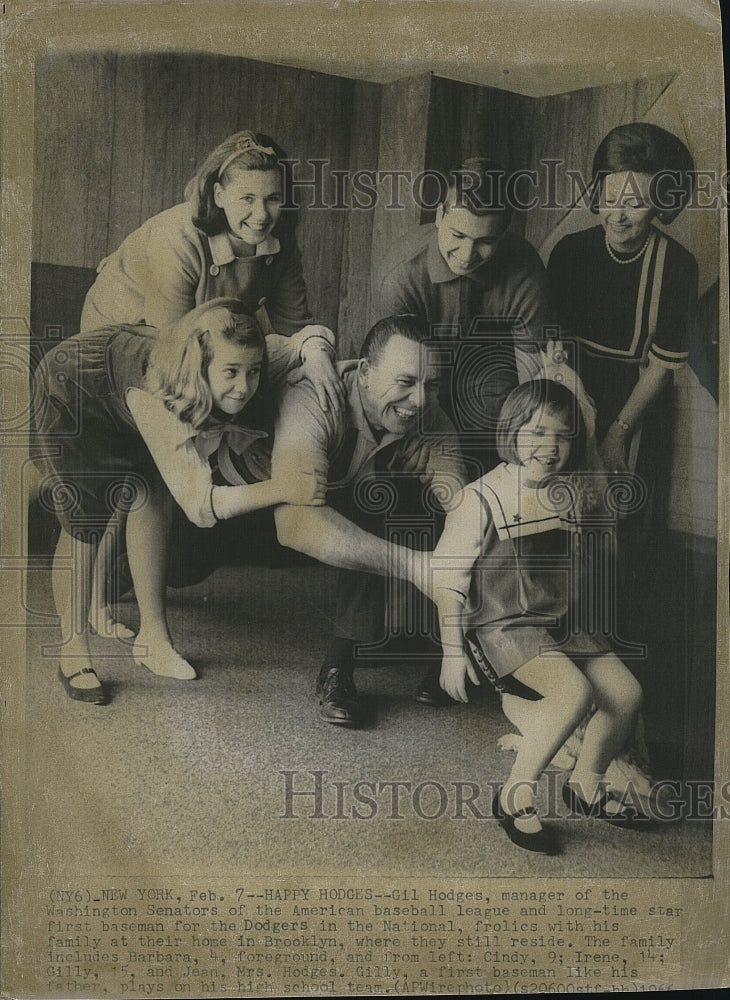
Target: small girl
(508, 596)
(129, 414)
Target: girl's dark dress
(526, 585)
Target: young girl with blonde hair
(129, 417)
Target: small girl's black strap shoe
(541, 842)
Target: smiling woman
(626, 212)
(628, 292)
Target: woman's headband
(244, 145)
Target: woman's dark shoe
(92, 696)
(541, 842)
(627, 818)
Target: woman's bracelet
(623, 425)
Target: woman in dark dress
(627, 293)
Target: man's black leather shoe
(429, 691)
(338, 700)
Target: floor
(203, 775)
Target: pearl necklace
(628, 260)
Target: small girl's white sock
(587, 784)
(591, 787)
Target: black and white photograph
(363, 444)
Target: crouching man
(390, 440)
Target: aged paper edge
(360, 32)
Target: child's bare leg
(566, 696)
(617, 695)
(101, 618)
(148, 530)
(71, 574)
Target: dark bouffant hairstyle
(643, 148)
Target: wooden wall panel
(219, 113)
(118, 137)
(171, 97)
(355, 292)
(314, 114)
(97, 165)
(700, 124)
(127, 153)
(74, 114)
(465, 120)
(404, 115)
